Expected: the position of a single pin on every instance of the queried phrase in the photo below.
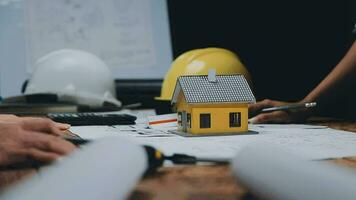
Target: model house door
(184, 121)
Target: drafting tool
(290, 107)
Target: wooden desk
(195, 182)
(212, 182)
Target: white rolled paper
(105, 169)
(273, 173)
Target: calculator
(87, 119)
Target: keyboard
(87, 119)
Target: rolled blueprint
(273, 173)
(105, 169)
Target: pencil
(290, 107)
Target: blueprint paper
(312, 142)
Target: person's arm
(335, 84)
(341, 78)
(14, 118)
(31, 139)
(25, 139)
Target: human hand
(285, 116)
(14, 118)
(31, 139)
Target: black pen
(290, 107)
(76, 140)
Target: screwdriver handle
(155, 159)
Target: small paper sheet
(167, 121)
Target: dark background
(288, 46)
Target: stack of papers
(309, 141)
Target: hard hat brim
(162, 99)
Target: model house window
(179, 119)
(205, 120)
(189, 118)
(235, 119)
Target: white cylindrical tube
(105, 169)
(273, 173)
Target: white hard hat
(75, 76)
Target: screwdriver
(156, 159)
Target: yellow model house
(212, 104)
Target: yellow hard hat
(198, 62)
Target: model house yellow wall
(182, 103)
(181, 107)
(219, 116)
